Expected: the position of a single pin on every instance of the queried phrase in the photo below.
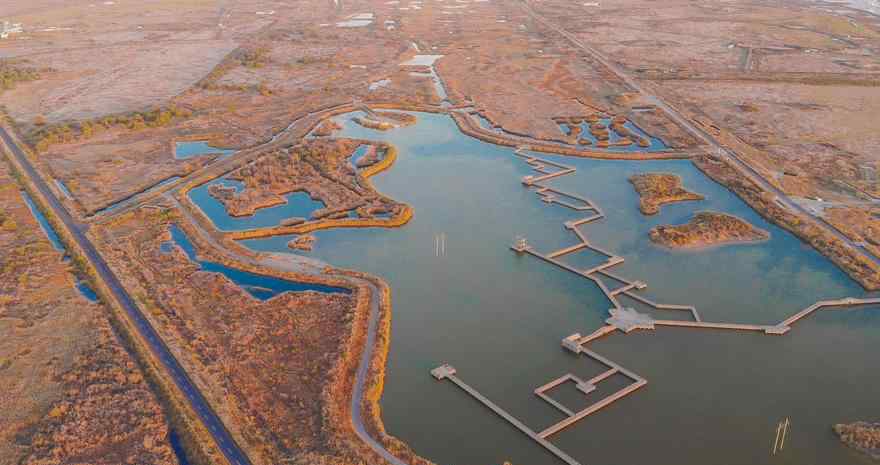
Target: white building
(8, 28)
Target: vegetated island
(656, 189)
(320, 168)
(385, 120)
(706, 229)
(861, 435)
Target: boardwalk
(512, 420)
(622, 319)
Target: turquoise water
(712, 397)
(189, 149)
(259, 286)
(47, 228)
(298, 204)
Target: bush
(45, 136)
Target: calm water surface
(297, 204)
(713, 397)
(189, 149)
(259, 286)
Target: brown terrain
(861, 435)
(856, 265)
(320, 168)
(385, 120)
(71, 393)
(707, 229)
(103, 92)
(656, 189)
(861, 224)
(274, 370)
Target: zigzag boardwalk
(622, 319)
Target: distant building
(571, 343)
(8, 28)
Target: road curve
(361, 378)
(702, 135)
(227, 445)
(298, 264)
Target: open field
(71, 392)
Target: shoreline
(700, 247)
(376, 377)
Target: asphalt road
(703, 136)
(209, 418)
(299, 264)
(361, 378)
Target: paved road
(701, 135)
(209, 418)
(299, 264)
(361, 378)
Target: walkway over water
(622, 319)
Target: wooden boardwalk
(513, 421)
(622, 319)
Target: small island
(385, 120)
(707, 229)
(656, 189)
(304, 243)
(861, 435)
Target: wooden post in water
(784, 431)
(776, 441)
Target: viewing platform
(624, 319)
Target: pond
(297, 205)
(188, 149)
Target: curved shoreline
(376, 349)
(398, 220)
(368, 344)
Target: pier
(448, 372)
(621, 319)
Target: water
(486, 124)
(63, 188)
(259, 286)
(177, 447)
(298, 204)
(86, 291)
(870, 6)
(422, 60)
(358, 154)
(47, 228)
(44, 223)
(712, 396)
(379, 84)
(656, 144)
(189, 149)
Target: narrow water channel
(712, 396)
(259, 286)
(47, 228)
